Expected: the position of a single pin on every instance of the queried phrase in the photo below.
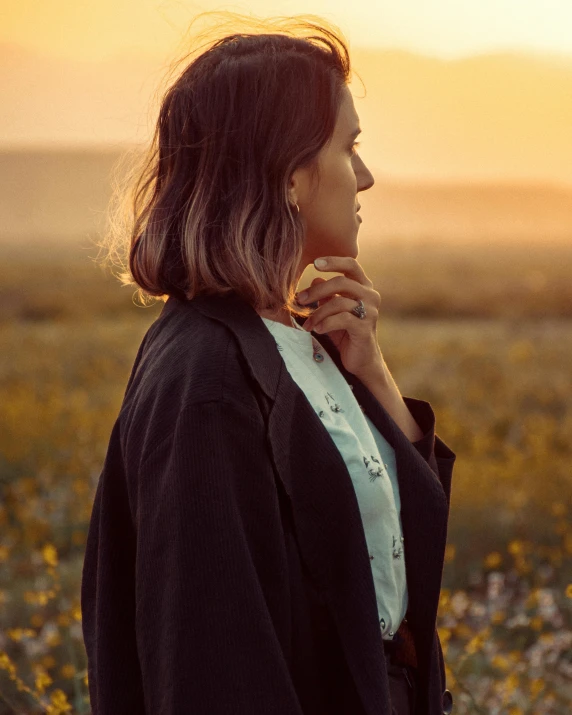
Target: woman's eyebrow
(355, 133)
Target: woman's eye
(355, 144)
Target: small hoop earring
(296, 205)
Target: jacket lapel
(325, 508)
(424, 512)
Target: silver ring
(359, 310)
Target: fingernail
(303, 295)
(320, 262)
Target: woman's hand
(355, 338)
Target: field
(482, 330)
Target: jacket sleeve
(431, 447)
(203, 596)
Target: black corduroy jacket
(226, 570)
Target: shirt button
(390, 633)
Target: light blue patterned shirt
(370, 460)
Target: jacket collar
(325, 508)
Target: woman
(269, 526)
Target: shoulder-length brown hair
(206, 207)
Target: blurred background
(466, 112)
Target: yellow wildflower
(515, 547)
(59, 703)
(536, 686)
(536, 623)
(53, 638)
(6, 664)
(42, 681)
(449, 553)
(16, 634)
(493, 560)
(50, 554)
(501, 661)
(67, 670)
(63, 619)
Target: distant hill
(63, 195)
(500, 116)
(488, 117)
(53, 194)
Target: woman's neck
(282, 316)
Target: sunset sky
(443, 28)
(456, 89)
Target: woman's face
(329, 215)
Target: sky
(440, 28)
(455, 89)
